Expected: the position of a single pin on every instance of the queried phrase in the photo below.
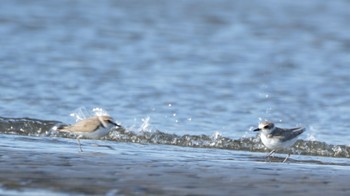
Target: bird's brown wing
(81, 126)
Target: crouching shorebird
(276, 138)
(92, 128)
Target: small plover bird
(92, 128)
(276, 138)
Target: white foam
(216, 135)
(311, 134)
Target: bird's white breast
(274, 143)
(100, 132)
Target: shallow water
(194, 75)
(216, 68)
(134, 169)
(156, 163)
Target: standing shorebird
(276, 138)
(93, 128)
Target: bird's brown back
(86, 125)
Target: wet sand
(56, 165)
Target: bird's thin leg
(78, 140)
(270, 154)
(286, 158)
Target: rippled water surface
(186, 73)
(192, 66)
(110, 168)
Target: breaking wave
(45, 128)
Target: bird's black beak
(114, 123)
(257, 129)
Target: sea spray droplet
(84, 113)
(100, 112)
(145, 124)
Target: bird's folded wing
(80, 127)
(287, 134)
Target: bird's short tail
(299, 130)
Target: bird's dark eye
(266, 126)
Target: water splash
(216, 135)
(84, 113)
(100, 112)
(311, 137)
(145, 126)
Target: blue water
(55, 166)
(193, 67)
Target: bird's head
(266, 127)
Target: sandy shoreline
(135, 169)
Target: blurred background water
(193, 67)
